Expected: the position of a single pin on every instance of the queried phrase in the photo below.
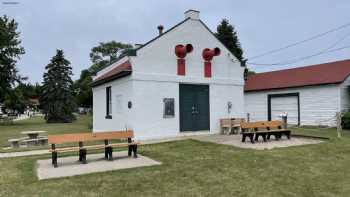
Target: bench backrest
(262, 125)
(84, 137)
(228, 122)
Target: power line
(290, 61)
(300, 42)
(302, 58)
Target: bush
(90, 126)
(345, 121)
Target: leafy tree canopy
(57, 98)
(106, 53)
(10, 51)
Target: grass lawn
(319, 132)
(38, 123)
(193, 168)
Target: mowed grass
(193, 168)
(38, 123)
(319, 131)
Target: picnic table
(33, 134)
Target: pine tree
(10, 51)
(227, 34)
(57, 97)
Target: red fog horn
(208, 55)
(181, 52)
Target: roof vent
(193, 14)
(160, 29)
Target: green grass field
(38, 123)
(193, 168)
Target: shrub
(345, 121)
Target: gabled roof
(119, 71)
(99, 81)
(320, 74)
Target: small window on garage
(109, 102)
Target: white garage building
(184, 80)
(310, 95)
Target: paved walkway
(24, 153)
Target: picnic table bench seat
(265, 129)
(80, 138)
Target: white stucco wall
(154, 77)
(318, 104)
(149, 122)
(122, 117)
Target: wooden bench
(80, 138)
(230, 124)
(264, 129)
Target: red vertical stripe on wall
(207, 69)
(181, 69)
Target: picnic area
(188, 168)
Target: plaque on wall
(169, 108)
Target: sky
(77, 26)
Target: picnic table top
(32, 132)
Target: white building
(310, 95)
(184, 80)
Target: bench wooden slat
(84, 137)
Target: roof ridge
(301, 67)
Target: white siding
(318, 104)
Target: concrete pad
(70, 166)
(235, 140)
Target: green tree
(227, 34)
(83, 90)
(10, 51)
(101, 56)
(106, 53)
(57, 99)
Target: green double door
(194, 107)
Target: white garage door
(281, 105)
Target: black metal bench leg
(135, 150)
(129, 150)
(83, 156)
(106, 152)
(288, 134)
(243, 137)
(264, 137)
(256, 137)
(252, 138)
(110, 153)
(268, 136)
(54, 159)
